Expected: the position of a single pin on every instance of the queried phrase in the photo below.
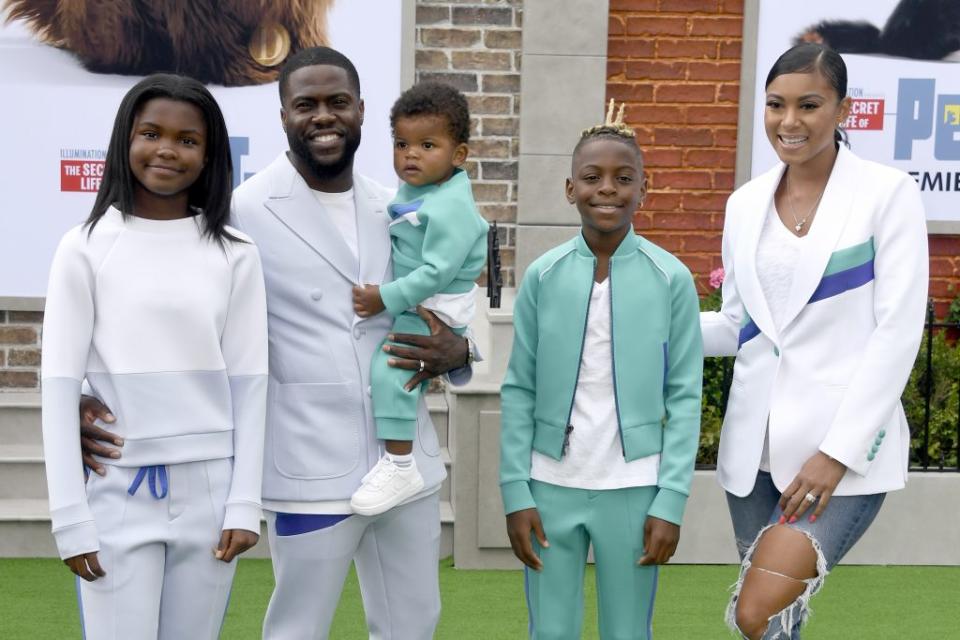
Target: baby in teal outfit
(439, 249)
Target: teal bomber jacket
(657, 365)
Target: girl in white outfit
(160, 307)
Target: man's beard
(321, 170)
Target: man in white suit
(322, 229)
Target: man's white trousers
(397, 556)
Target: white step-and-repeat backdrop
(57, 116)
(906, 110)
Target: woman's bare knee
(751, 619)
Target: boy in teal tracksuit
(601, 404)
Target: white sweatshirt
(170, 330)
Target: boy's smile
(424, 151)
(606, 186)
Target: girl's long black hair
(210, 193)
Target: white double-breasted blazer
(320, 435)
(831, 378)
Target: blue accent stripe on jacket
(666, 363)
(748, 331)
(398, 209)
(847, 269)
(841, 281)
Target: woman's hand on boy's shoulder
(233, 542)
(660, 539)
(519, 525)
(86, 565)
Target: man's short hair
(315, 56)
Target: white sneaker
(386, 486)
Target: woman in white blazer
(825, 257)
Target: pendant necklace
(799, 222)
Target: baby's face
(424, 152)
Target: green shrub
(716, 381)
(944, 395)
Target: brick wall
(944, 271)
(19, 350)
(475, 46)
(676, 63)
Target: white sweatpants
(162, 579)
(397, 556)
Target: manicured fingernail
(100, 471)
(118, 442)
(390, 337)
(114, 454)
(781, 520)
(793, 519)
(813, 518)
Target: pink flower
(716, 277)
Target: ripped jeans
(842, 523)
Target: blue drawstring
(151, 472)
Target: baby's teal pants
(395, 408)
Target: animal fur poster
(903, 64)
(66, 64)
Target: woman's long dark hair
(210, 193)
(810, 57)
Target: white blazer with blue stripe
(830, 379)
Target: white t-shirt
(594, 456)
(343, 213)
(777, 253)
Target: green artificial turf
(37, 601)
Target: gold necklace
(799, 222)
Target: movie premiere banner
(905, 111)
(57, 117)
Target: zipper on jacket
(566, 440)
(583, 341)
(613, 361)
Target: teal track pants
(612, 520)
(395, 408)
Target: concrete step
(19, 419)
(437, 404)
(25, 529)
(21, 472)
